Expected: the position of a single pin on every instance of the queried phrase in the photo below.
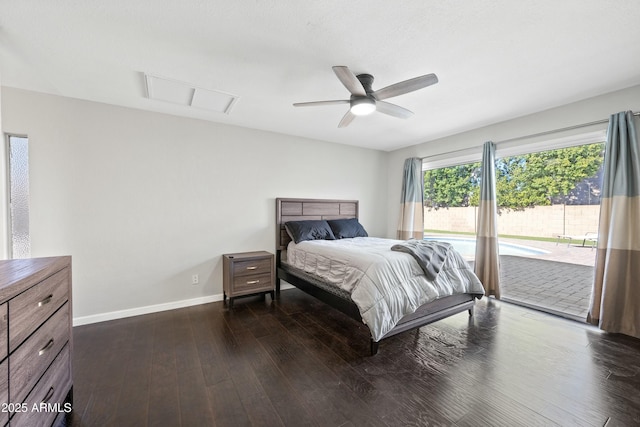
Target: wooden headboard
(303, 209)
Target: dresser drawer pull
(253, 267)
(46, 348)
(45, 301)
(49, 395)
(252, 282)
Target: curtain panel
(411, 224)
(487, 263)
(615, 299)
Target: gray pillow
(347, 228)
(300, 231)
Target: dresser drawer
(4, 390)
(46, 400)
(33, 357)
(252, 267)
(32, 307)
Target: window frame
(516, 148)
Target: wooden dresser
(247, 273)
(35, 341)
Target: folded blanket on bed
(430, 255)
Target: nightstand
(247, 273)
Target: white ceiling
(495, 59)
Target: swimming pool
(467, 247)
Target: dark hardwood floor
(297, 362)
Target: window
(18, 175)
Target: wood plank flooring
(297, 362)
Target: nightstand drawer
(31, 308)
(33, 357)
(261, 281)
(252, 267)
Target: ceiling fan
(364, 100)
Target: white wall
(144, 200)
(586, 111)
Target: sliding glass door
(549, 208)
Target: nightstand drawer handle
(46, 348)
(252, 268)
(252, 282)
(46, 300)
(48, 396)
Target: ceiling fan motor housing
(367, 82)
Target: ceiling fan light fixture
(363, 106)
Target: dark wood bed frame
(308, 209)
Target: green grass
(506, 236)
(539, 239)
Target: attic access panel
(182, 93)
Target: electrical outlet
(195, 279)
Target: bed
(289, 209)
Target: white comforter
(385, 285)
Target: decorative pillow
(300, 231)
(346, 228)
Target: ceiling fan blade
(316, 103)
(393, 110)
(346, 119)
(406, 86)
(349, 80)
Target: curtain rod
(533, 135)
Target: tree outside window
(563, 176)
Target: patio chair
(587, 237)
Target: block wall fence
(539, 221)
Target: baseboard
(121, 314)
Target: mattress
(385, 285)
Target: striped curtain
(411, 225)
(615, 299)
(487, 265)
